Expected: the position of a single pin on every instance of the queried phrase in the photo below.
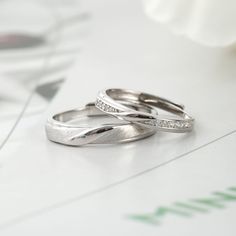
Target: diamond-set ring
(132, 116)
(178, 121)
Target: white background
(48, 188)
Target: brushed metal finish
(59, 129)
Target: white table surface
(50, 189)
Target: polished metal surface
(109, 101)
(60, 129)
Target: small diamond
(187, 124)
(178, 124)
(165, 123)
(160, 123)
(171, 124)
(106, 107)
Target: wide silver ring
(109, 101)
(59, 128)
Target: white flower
(210, 22)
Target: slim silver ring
(109, 101)
(60, 130)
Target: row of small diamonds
(180, 124)
(174, 124)
(105, 107)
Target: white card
(127, 50)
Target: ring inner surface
(148, 100)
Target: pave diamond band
(138, 114)
(108, 101)
(174, 124)
(105, 107)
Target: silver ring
(109, 101)
(60, 127)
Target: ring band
(60, 130)
(109, 101)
